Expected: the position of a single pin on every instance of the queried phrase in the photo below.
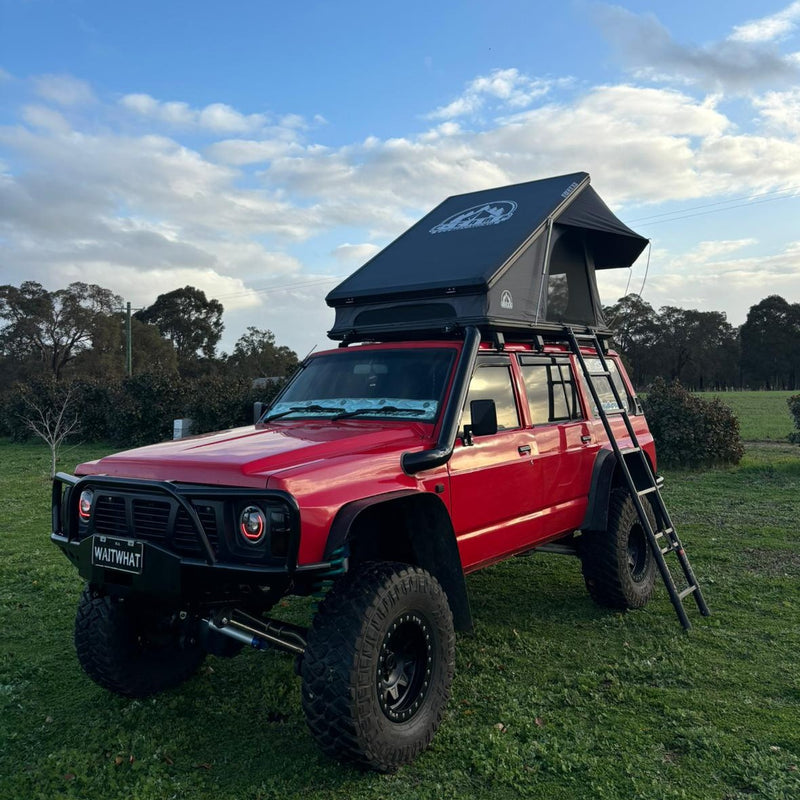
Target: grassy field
(554, 698)
(763, 416)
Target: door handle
(524, 449)
(586, 438)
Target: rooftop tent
(516, 258)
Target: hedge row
(794, 410)
(690, 431)
(137, 410)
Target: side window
(551, 392)
(603, 386)
(493, 382)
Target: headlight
(253, 524)
(85, 504)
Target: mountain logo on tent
(478, 216)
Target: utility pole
(128, 344)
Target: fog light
(85, 504)
(253, 524)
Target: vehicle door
(565, 444)
(491, 476)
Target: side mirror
(258, 411)
(484, 420)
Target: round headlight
(253, 524)
(85, 504)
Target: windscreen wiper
(298, 409)
(379, 410)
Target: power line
(685, 213)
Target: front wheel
(132, 650)
(378, 666)
(618, 563)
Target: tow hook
(260, 634)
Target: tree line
(63, 365)
(80, 333)
(703, 351)
(64, 352)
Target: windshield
(386, 384)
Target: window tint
(551, 392)
(603, 386)
(493, 382)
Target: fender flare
(596, 517)
(430, 535)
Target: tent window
(569, 291)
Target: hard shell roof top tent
(513, 259)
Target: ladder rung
(649, 490)
(615, 412)
(668, 549)
(628, 450)
(602, 374)
(687, 591)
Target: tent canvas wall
(515, 258)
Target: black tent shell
(511, 259)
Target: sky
(263, 151)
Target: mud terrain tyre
(618, 564)
(378, 667)
(132, 651)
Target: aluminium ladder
(663, 538)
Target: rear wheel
(618, 564)
(132, 650)
(378, 666)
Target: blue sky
(262, 150)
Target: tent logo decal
(506, 301)
(477, 216)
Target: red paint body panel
(505, 493)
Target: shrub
(690, 431)
(794, 410)
(214, 402)
(144, 409)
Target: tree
(52, 327)
(50, 415)
(257, 356)
(190, 321)
(151, 352)
(636, 333)
(771, 344)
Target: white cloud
(217, 117)
(781, 111)
(45, 118)
(354, 255)
(765, 29)
(508, 86)
(64, 90)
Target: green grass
(763, 416)
(554, 698)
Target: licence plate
(125, 555)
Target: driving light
(253, 524)
(85, 504)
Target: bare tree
(51, 420)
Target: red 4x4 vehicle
(379, 476)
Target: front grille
(109, 516)
(185, 536)
(151, 521)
